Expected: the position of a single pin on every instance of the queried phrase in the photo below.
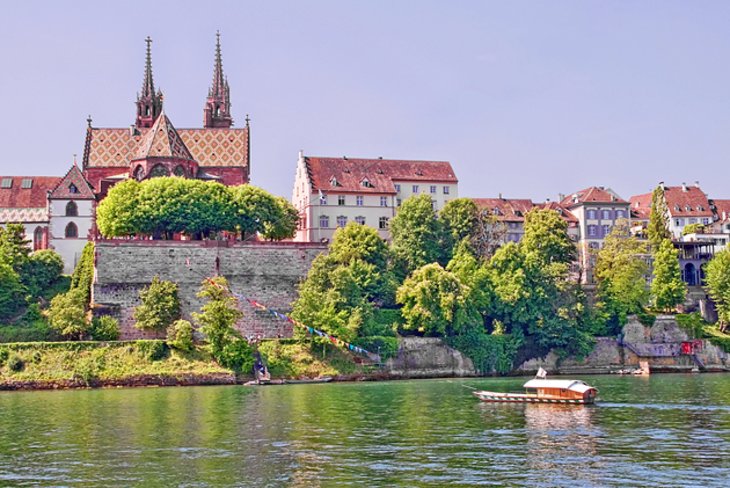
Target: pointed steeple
(149, 102)
(217, 111)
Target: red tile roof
(687, 201)
(596, 194)
(162, 140)
(720, 207)
(507, 209)
(640, 206)
(563, 211)
(33, 197)
(350, 174)
(73, 177)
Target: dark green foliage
(104, 328)
(36, 331)
(14, 247)
(153, 350)
(489, 353)
(237, 355)
(160, 306)
(693, 324)
(382, 322)
(658, 229)
(41, 270)
(667, 288)
(15, 363)
(180, 335)
(11, 292)
(386, 346)
(459, 218)
(283, 223)
(83, 275)
(646, 318)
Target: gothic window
(38, 238)
(71, 230)
(72, 210)
(139, 173)
(159, 170)
(179, 171)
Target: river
(664, 430)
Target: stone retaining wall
(266, 272)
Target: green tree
(621, 271)
(180, 335)
(104, 328)
(459, 218)
(359, 242)
(14, 247)
(160, 306)
(117, 214)
(416, 233)
(667, 288)
(41, 270)
(11, 292)
(218, 315)
(475, 274)
(435, 302)
(255, 208)
(67, 314)
(717, 277)
(658, 229)
(284, 223)
(83, 276)
(546, 237)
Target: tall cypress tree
(667, 289)
(658, 229)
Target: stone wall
(428, 357)
(266, 272)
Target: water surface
(665, 430)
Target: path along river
(665, 430)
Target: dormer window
(72, 188)
(366, 183)
(333, 181)
(496, 211)
(677, 207)
(688, 208)
(700, 208)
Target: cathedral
(58, 212)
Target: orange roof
(373, 175)
(596, 194)
(563, 211)
(687, 201)
(13, 195)
(640, 206)
(722, 207)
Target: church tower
(217, 111)
(149, 103)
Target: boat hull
(489, 396)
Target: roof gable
(592, 194)
(162, 141)
(72, 186)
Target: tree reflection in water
(561, 442)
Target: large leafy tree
(11, 292)
(435, 302)
(254, 208)
(717, 277)
(667, 288)
(118, 213)
(658, 229)
(14, 247)
(218, 316)
(459, 218)
(160, 306)
(546, 237)
(42, 269)
(621, 271)
(416, 235)
(284, 223)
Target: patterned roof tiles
(34, 197)
(162, 140)
(209, 147)
(23, 215)
(73, 186)
(373, 175)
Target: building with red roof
(329, 192)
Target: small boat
(541, 390)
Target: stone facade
(266, 272)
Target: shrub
(383, 322)
(180, 335)
(37, 357)
(646, 318)
(37, 331)
(153, 350)
(3, 355)
(42, 269)
(11, 292)
(15, 363)
(104, 328)
(67, 314)
(489, 353)
(160, 306)
(236, 355)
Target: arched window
(71, 230)
(159, 170)
(38, 238)
(179, 171)
(72, 210)
(139, 173)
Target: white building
(330, 192)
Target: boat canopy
(572, 385)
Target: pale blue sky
(524, 98)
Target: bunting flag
(309, 329)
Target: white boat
(545, 391)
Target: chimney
(684, 187)
(500, 195)
(697, 184)
(724, 215)
(561, 197)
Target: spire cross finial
(148, 89)
(88, 120)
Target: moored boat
(545, 391)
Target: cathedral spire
(217, 111)
(149, 103)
